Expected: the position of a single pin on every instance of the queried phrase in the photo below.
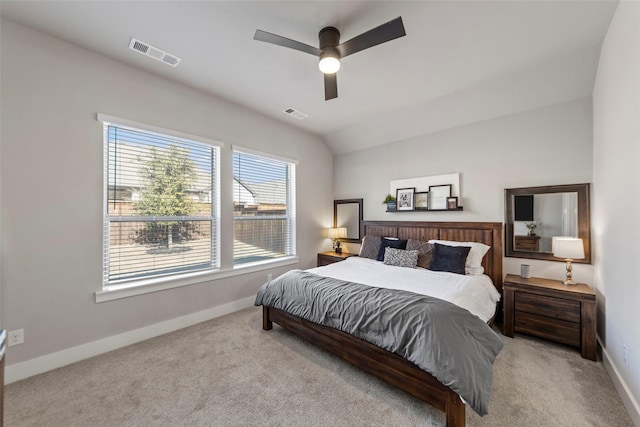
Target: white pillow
(473, 265)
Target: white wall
(616, 197)
(546, 146)
(51, 176)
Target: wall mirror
(348, 213)
(534, 215)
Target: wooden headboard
(489, 233)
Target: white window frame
(290, 216)
(178, 279)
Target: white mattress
(473, 293)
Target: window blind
(264, 208)
(161, 196)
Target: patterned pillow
(449, 258)
(390, 243)
(400, 257)
(370, 247)
(425, 251)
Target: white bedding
(474, 293)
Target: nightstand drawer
(549, 328)
(556, 308)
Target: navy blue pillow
(390, 243)
(449, 258)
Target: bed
(386, 365)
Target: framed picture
(404, 199)
(452, 203)
(438, 195)
(421, 201)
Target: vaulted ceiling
(461, 61)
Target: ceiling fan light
(329, 64)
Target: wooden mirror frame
(584, 221)
(360, 216)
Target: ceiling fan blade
(263, 36)
(384, 33)
(330, 86)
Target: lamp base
(569, 277)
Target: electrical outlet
(269, 276)
(625, 354)
(15, 337)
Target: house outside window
(264, 207)
(161, 204)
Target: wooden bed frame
(388, 366)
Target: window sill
(113, 292)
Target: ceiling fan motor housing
(329, 54)
(329, 39)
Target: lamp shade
(337, 233)
(568, 248)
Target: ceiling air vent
(295, 113)
(154, 52)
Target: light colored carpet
(229, 372)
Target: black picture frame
(438, 195)
(421, 201)
(404, 199)
(452, 203)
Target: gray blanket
(445, 340)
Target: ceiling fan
(330, 52)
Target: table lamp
(336, 234)
(568, 248)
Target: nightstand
(526, 243)
(549, 309)
(326, 258)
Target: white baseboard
(629, 401)
(39, 365)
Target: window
(264, 207)
(161, 195)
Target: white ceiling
(461, 61)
